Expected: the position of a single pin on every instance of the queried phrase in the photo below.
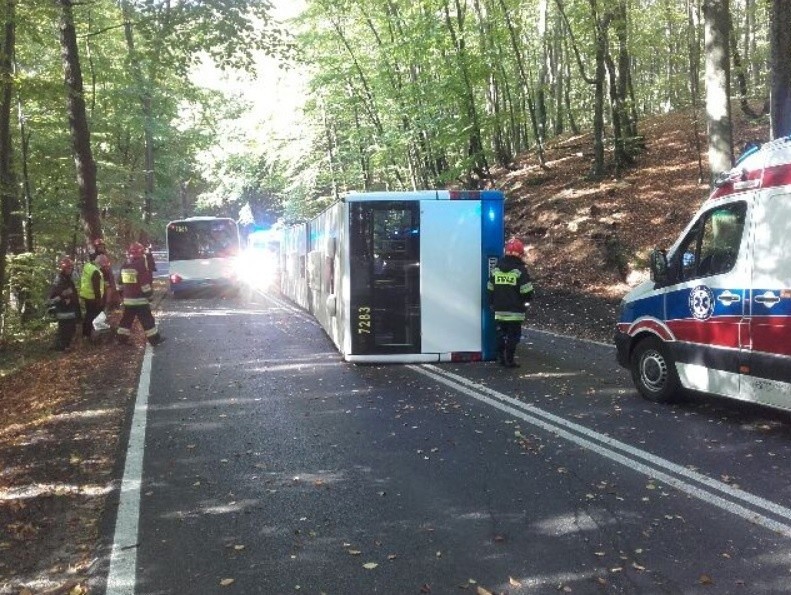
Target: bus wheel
(654, 372)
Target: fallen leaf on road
(705, 579)
(370, 565)
(227, 582)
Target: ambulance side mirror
(658, 265)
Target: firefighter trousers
(146, 318)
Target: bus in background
(202, 255)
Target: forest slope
(588, 241)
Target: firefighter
(65, 304)
(110, 290)
(509, 289)
(137, 291)
(92, 292)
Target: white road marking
(569, 337)
(123, 559)
(736, 502)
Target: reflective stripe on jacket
(509, 288)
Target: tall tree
(718, 112)
(78, 123)
(780, 103)
(7, 186)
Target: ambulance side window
(712, 245)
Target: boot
(156, 339)
(500, 351)
(509, 357)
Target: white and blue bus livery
(399, 276)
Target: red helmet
(515, 247)
(135, 250)
(66, 264)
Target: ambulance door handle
(767, 298)
(727, 298)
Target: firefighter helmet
(136, 250)
(514, 247)
(66, 264)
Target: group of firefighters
(98, 291)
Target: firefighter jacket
(92, 282)
(135, 282)
(509, 287)
(63, 298)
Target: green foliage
(25, 292)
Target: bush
(24, 294)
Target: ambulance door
(705, 308)
(767, 377)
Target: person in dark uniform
(136, 289)
(92, 293)
(65, 303)
(509, 288)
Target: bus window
(201, 239)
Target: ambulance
(716, 315)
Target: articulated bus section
(399, 276)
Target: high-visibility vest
(86, 284)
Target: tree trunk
(525, 84)
(739, 74)
(24, 141)
(78, 125)
(475, 142)
(7, 186)
(14, 224)
(559, 70)
(693, 56)
(543, 70)
(718, 113)
(780, 102)
(146, 108)
(600, 27)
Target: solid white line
(561, 427)
(123, 559)
(751, 499)
(569, 337)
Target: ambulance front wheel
(654, 372)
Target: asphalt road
(271, 466)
